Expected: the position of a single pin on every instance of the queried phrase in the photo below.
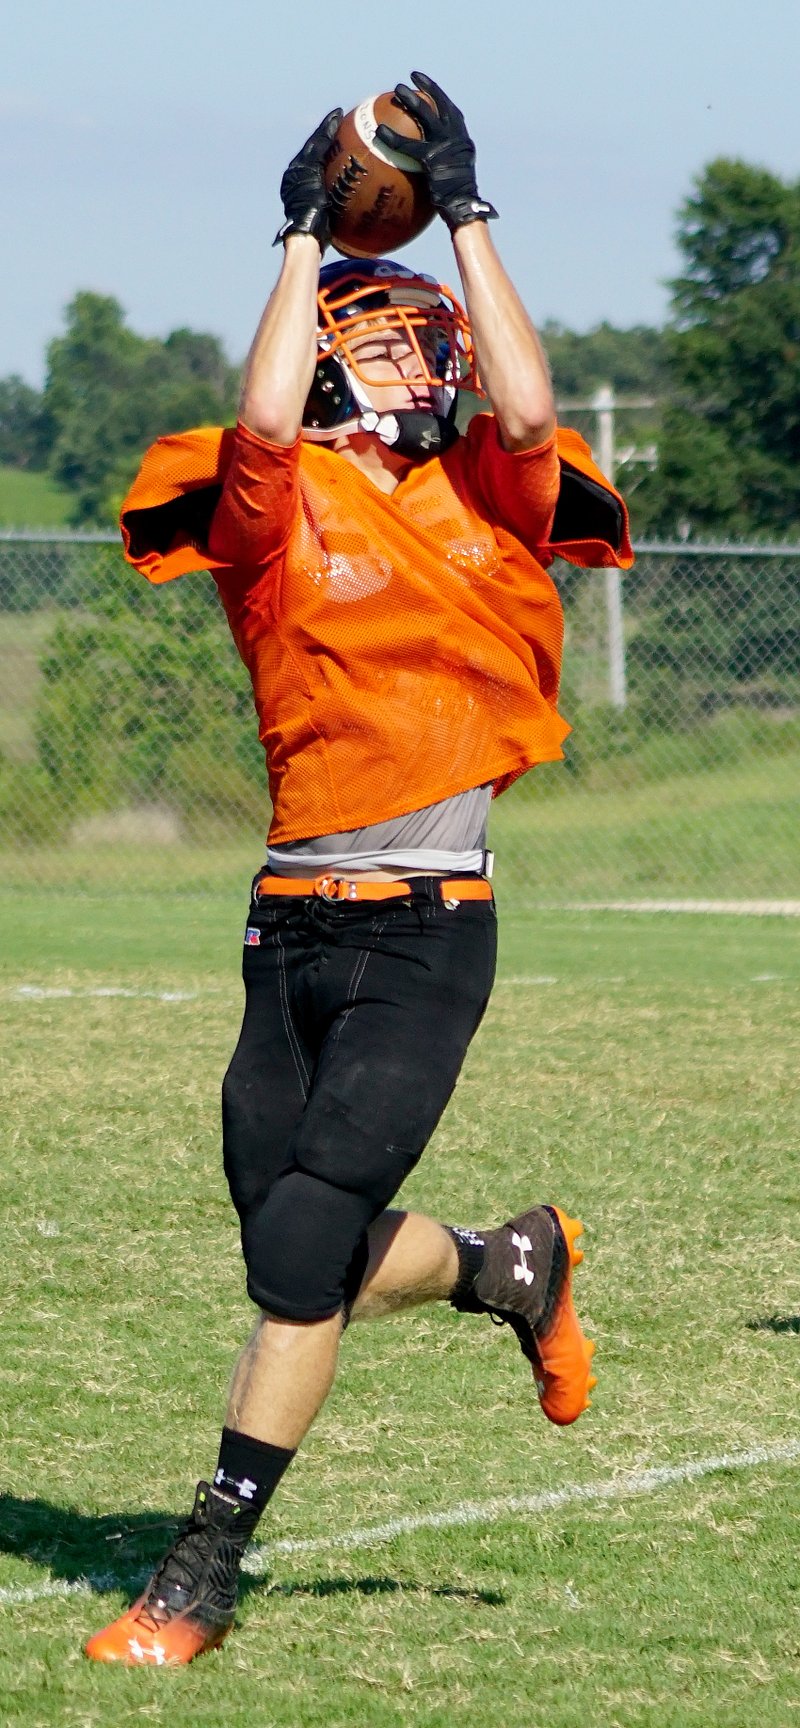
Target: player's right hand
(303, 193)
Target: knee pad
(305, 1247)
(242, 1143)
(256, 1124)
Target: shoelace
(132, 1535)
(188, 1566)
(176, 1572)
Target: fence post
(604, 404)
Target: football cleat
(190, 1601)
(526, 1282)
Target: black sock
(470, 1248)
(249, 1471)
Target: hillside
(31, 500)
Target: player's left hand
(445, 151)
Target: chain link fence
(129, 757)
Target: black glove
(445, 151)
(303, 193)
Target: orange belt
(354, 888)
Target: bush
(31, 808)
(146, 707)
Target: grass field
(641, 1070)
(31, 500)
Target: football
(379, 198)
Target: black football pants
(357, 1020)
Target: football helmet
(362, 298)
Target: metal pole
(604, 404)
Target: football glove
(303, 193)
(445, 152)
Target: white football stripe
(366, 126)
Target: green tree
(110, 392)
(26, 430)
(632, 360)
(730, 440)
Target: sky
(141, 146)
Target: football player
(385, 581)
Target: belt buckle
(330, 887)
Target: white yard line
(466, 1512)
(514, 978)
(102, 992)
(741, 908)
(491, 1511)
(53, 993)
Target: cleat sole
(125, 1641)
(562, 1372)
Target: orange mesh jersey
(402, 648)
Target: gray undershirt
(449, 836)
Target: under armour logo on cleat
(524, 1244)
(156, 1652)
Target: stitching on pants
(358, 973)
(297, 1054)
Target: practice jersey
(403, 648)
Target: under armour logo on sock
(524, 1244)
(244, 1489)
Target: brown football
(379, 198)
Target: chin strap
(415, 433)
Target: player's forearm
(280, 365)
(512, 365)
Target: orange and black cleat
(561, 1355)
(190, 1601)
(526, 1282)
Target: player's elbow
(527, 430)
(527, 416)
(275, 418)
